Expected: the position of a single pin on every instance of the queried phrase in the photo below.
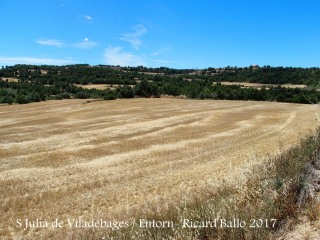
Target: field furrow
(120, 158)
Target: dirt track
(116, 158)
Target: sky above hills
(155, 33)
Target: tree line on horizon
(39, 83)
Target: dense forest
(268, 75)
(29, 83)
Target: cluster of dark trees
(268, 75)
(160, 70)
(199, 89)
(39, 83)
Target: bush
(7, 100)
(82, 95)
(146, 89)
(109, 96)
(125, 92)
(22, 99)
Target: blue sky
(154, 33)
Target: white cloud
(51, 42)
(115, 56)
(87, 18)
(86, 44)
(32, 60)
(134, 37)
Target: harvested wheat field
(117, 159)
(95, 86)
(261, 85)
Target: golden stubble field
(261, 85)
(118, 159)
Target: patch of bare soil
(99, 86)
(260, 85)
(92, 86)
(10, 79)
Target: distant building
(255, 67)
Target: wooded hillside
(31, 83)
